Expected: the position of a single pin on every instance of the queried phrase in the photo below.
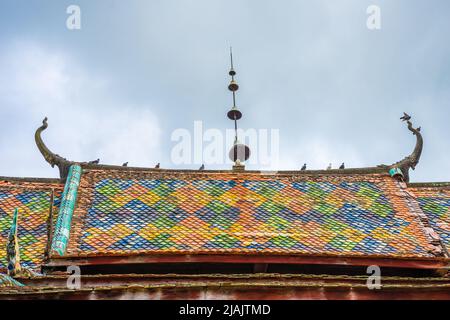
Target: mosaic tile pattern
(254, 215)
(435, 204)
(8, 282)
(33, 208)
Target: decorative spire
(401, 169)
(239, 152)
(54, 159)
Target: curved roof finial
(411, 161)
(52, 158)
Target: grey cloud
(310, 68)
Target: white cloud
(86, 121)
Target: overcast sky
(138, 70)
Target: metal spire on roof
(239, 152)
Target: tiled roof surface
(33, 202)
(8, 282)
(124, 213)
(435, 203)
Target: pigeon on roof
(405, 117)
(304, 167)
(342, 166)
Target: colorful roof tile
(9, 282)
(149, 212)
(435, 203)
(33, 203)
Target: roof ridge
(31, 179)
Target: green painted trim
(7, 281)
(69, 198)
(13, 230)
(12, 247)
(395, 171)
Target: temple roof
(135, 212)
(98, 214)
(360, 212)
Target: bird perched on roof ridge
(405, 117)
(94, 161)
(342, 166)
(202, 167)
(304, 167)
(125, 164)
(157, 165)
(329, 167)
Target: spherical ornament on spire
(233, 86)
(239, 152)
(234, 114)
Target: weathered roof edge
(83, 258)
(32, 180)
(237, 289)
(442, 185)
(367, 170)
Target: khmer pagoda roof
(134, 212)
(104, 214)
